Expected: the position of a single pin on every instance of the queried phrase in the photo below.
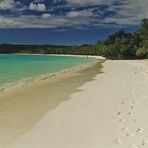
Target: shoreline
(73, 55)
(83, 56)
(30, 80)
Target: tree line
(120, 45)
(123, 45)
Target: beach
(98, 107)
(23, 105)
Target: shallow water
(14, 67)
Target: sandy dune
(110, 112)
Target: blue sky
(67, 21)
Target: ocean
(15, 67)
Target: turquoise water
(17, 67)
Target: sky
(67, 22)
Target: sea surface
(14, 67)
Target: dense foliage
(120, 45)
(48, 49)
(123, 45)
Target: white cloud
(37, 7)
(46, 15)
(33, 21)
(7, 4)
(89, 2)
(128, 13)
(83, 13)
(137, 7)
(5, 22)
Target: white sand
(110, 112)
(84, 56)
(69, 55)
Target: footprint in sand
(129, 134)
(136, 121)
(121, 120)
(122, 103)
(144, 142)
(139, 130)
(118, 141)
(124, 129)
(119, 113)
(129, 113)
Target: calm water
(16, 67)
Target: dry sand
(110, 111)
